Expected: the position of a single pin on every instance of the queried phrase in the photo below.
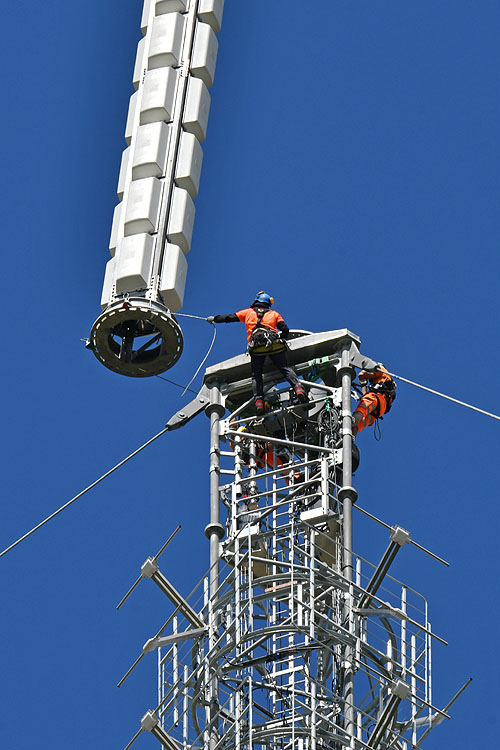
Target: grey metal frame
(303, 643)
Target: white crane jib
(136, 334)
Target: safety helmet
(263, 298)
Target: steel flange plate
(136, 337)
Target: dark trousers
(280, 361)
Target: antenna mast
(291, 639)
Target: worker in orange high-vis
(376, 400)
(267, 332)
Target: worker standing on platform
(267, 333)
(376, 400)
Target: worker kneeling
(377, 399)
(267, 333)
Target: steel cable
(443, 395)
(203, 360)
(83, 492)
(198, 317)
(172, 382)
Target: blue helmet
(263, 298)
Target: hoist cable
(187, 388)
(167, 380)
(185, 315)
(83, 492)
(443, 395)
(172, 382)
(203, 360)
(195, 317)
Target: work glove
(210, 319)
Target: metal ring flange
(125, 322)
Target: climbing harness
(388, 390)
(264, 340)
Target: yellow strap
(277, 347)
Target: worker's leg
(257, 362)
(364, 415)
(280, 361)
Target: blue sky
(351, 170)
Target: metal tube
(175, 669)
(389, 528)
(214, 532)
(185, 708)
(347, 499)
(448, 705)
(161, 678)
(403, 633)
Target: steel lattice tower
(291, 639)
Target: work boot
(301, 394)
(260, 406)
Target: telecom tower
(291, 639)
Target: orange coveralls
(372, 405)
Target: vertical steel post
(214, 533)
(347, 495)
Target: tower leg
(214, 532)
(346, 495)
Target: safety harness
(264, 340)
(388, 390)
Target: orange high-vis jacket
(373, 405)
(249, 317)
(379, 376)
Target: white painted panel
(166, 40)
(113, 240)
(140, 63)
(204, 54)
(173, 277)
(210, 11)
(123, 173)
(181, 222)
(141, 213)
(145, 16)
(168, 6)
(197, 107)
(158, 95)
(107, 287)
(150, 150)
(129, 127)
(188, 168)
(133, 263)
